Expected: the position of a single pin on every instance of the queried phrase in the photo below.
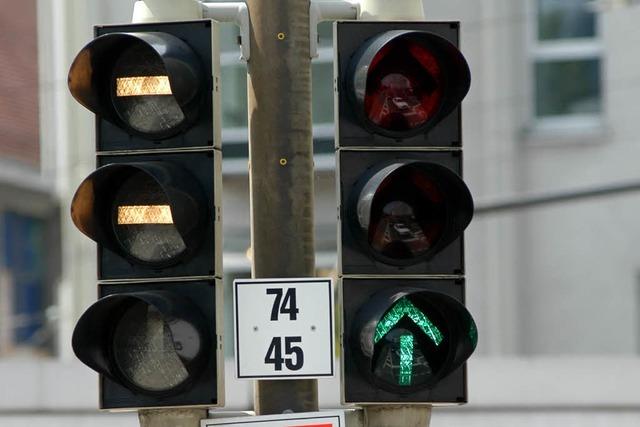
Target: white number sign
(304, 419)
(283, 328)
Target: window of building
(567, 64)
(29, 217)
(24, 288)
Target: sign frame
(284, 283)
(300, 419)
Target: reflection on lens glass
(141, 223)
(142, 94)
(404, 86)
(408, 214)
(147, 352)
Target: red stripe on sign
(315, 425)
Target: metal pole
(171, 417)
(281, 166)
(395, 416)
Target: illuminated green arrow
(404, 307)
(406, 359)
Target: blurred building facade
(28, 210)
(555, 289)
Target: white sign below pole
(283, 328)
(303, 419)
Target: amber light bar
(151, 214)
(144, 85)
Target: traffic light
(403, 210)
(153, 208)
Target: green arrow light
(404, 307)
(406, 359)
(473, 333)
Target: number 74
(286, 306)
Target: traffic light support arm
(163, 10)
(237, 13)
(320, 11)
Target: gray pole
(281, 166)
(174, 417)
(395, 416)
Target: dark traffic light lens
(142, 221)
(149, 352)
(408, 214)
(404, 86)
(142, 94)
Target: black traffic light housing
(356, 44)
(404, 206)
(367, 301)
(178, 52)
(181, 181)
(153, 208)
(174, 172)
(155, 344)
(365, 175)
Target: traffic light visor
(149, 83)
(409, 339)
(403, 82)
(406, 211)
(152, 342)
(150, 212)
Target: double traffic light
(153, 208)
(403, 210)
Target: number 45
(274, 353)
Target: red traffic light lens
(404, 86)
(408, 215)
(402, 83)
(405, 211)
